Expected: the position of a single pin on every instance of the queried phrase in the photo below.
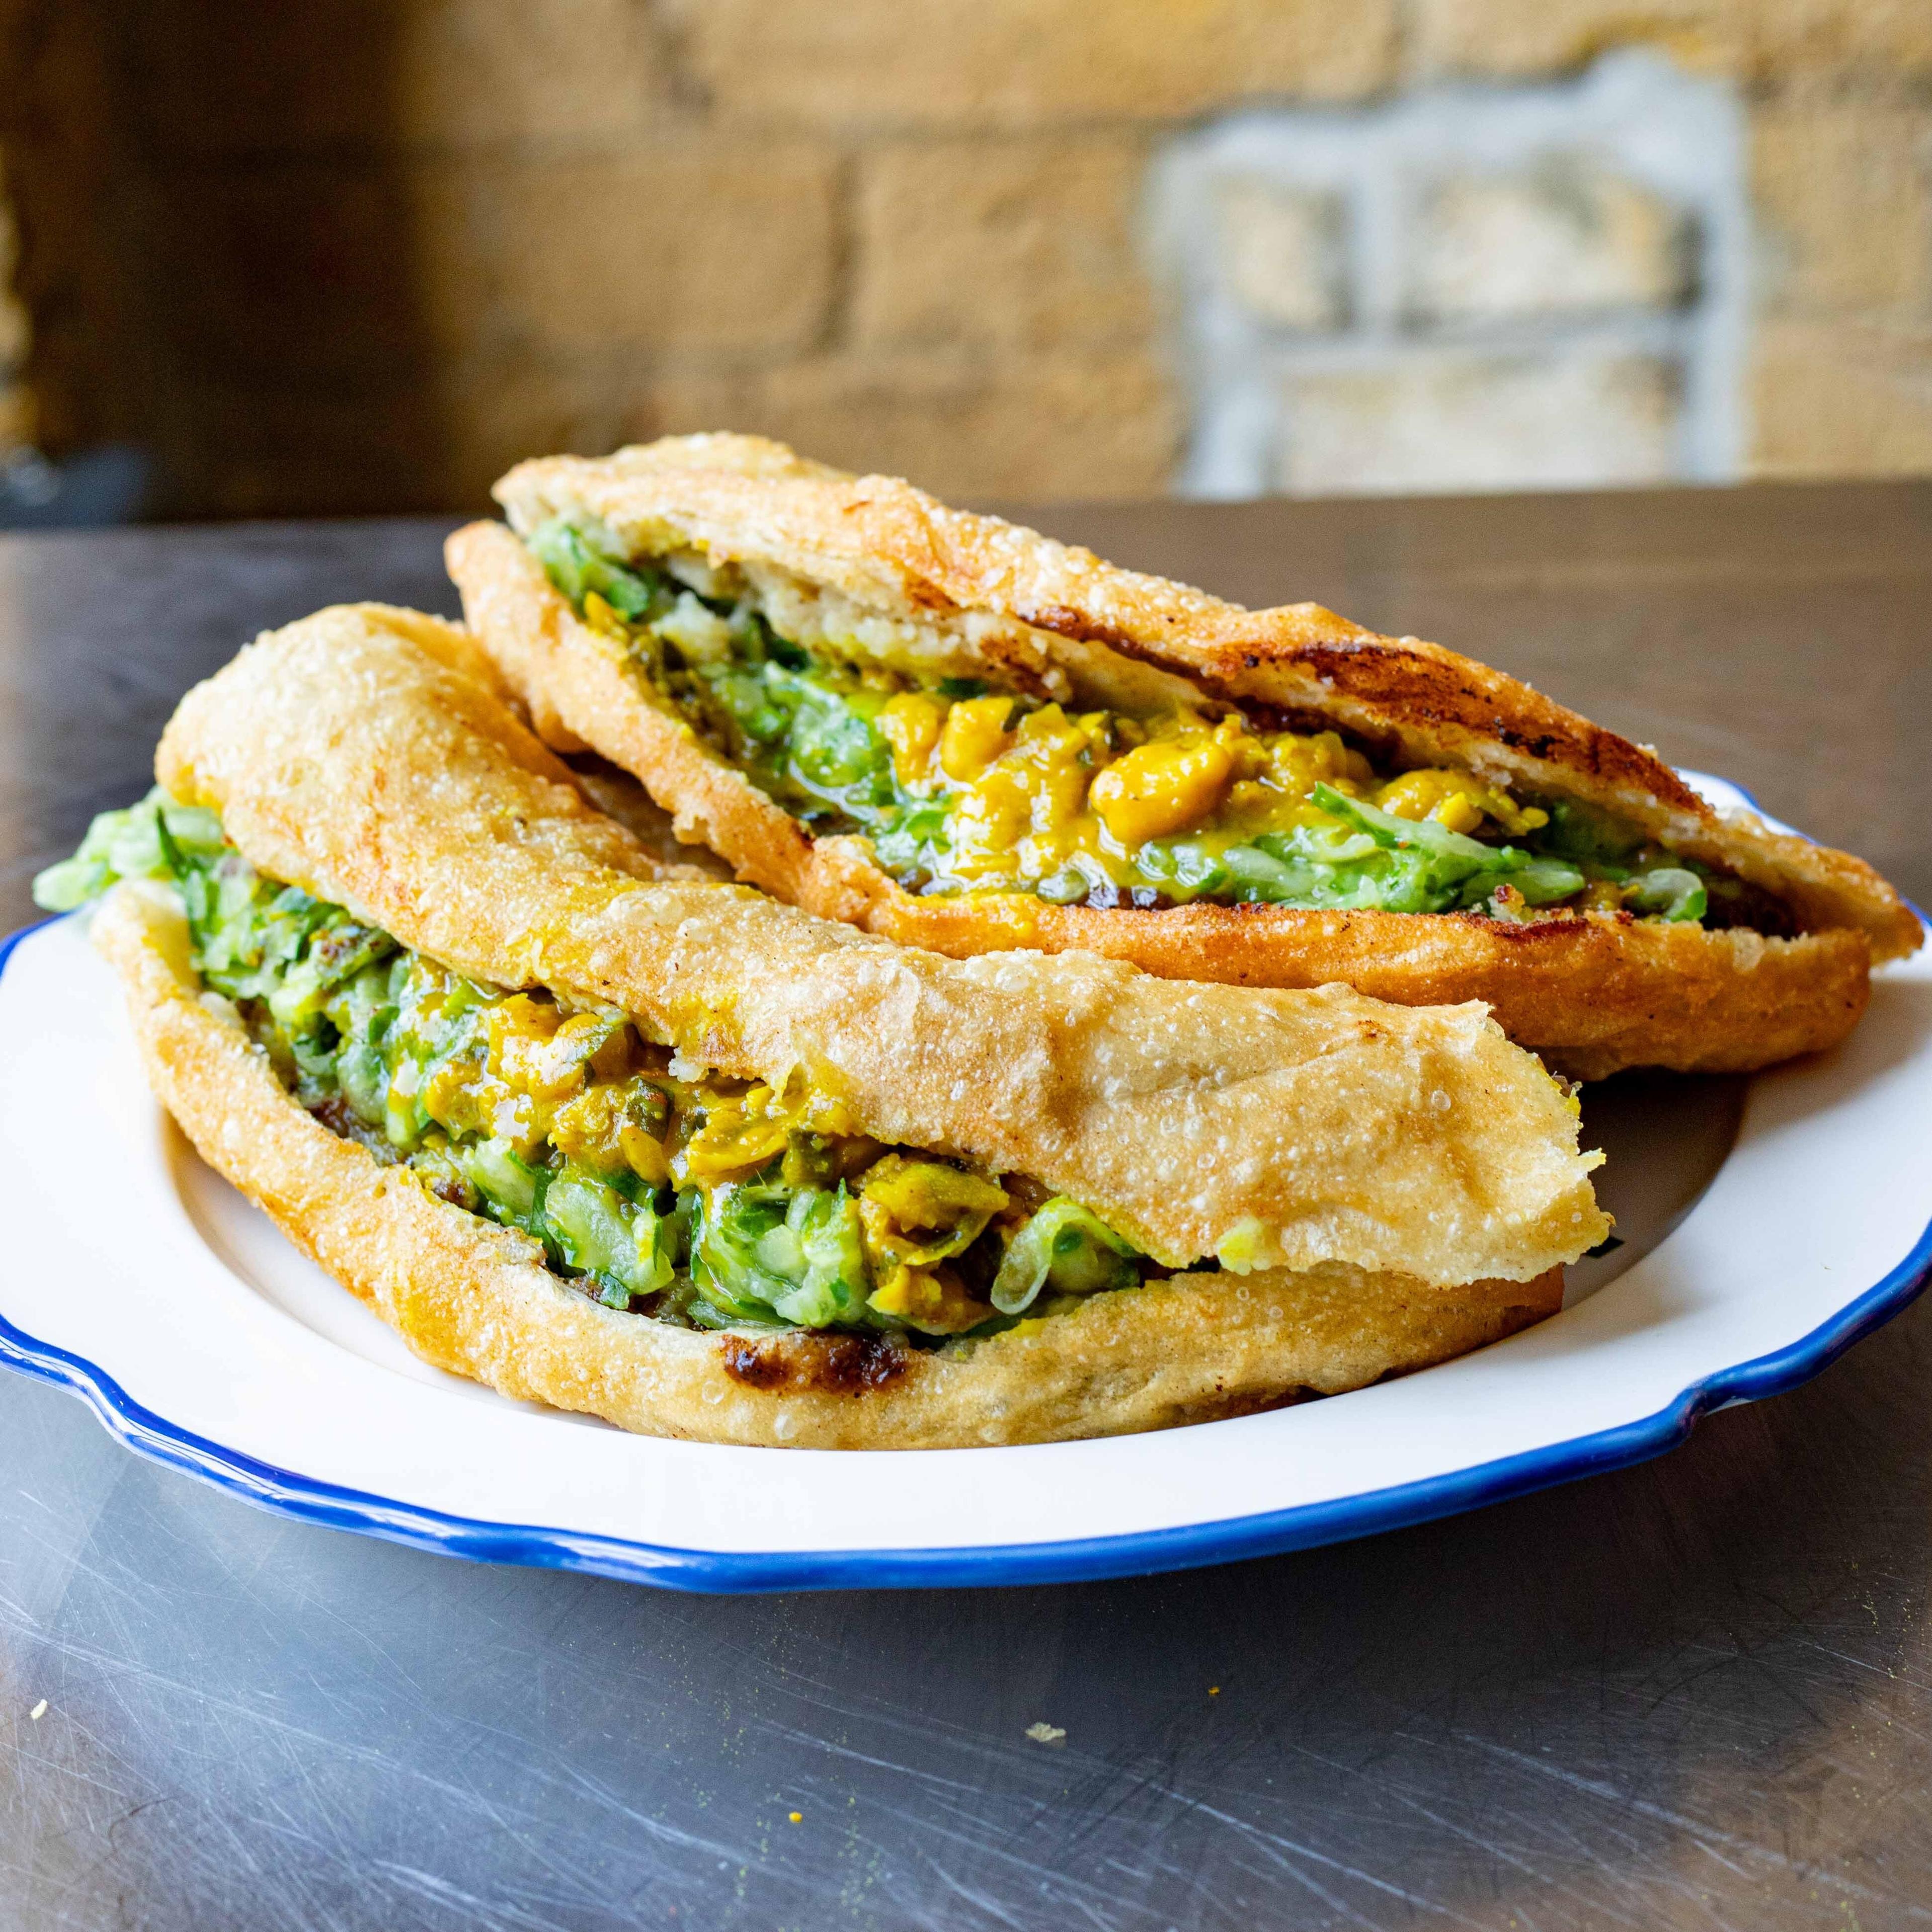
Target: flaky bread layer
(1592, 995)
(1289, 1129)
(476, 1299)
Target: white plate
(137, 1277)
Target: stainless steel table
(1695, 1693)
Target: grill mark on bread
(1541, 925)
(1065, 622)
(1391, 676)
(1395, 678)
(469, 1297)
(822, 1364)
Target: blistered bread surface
(476, 1299)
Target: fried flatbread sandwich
(952, 731)
(630, 1141)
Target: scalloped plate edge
(288, 1493)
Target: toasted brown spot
(1395, 678)
(924, 595)
(1065, 622)
(757, 1364)
(824, 1364)
(1540, 926)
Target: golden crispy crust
(1607, 996)
(475, 1299)
(1271, 1129)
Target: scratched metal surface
(1692, 1694)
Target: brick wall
(358, 254)
(16, 423)
(1468, 285)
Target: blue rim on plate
(287, 1493)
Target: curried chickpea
(911, 724)
(933, 1300)
(976, 734)
(1458, 799)
(1449, 798)
(1163, 788)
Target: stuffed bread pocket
(956, 733)
(674, 1153)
